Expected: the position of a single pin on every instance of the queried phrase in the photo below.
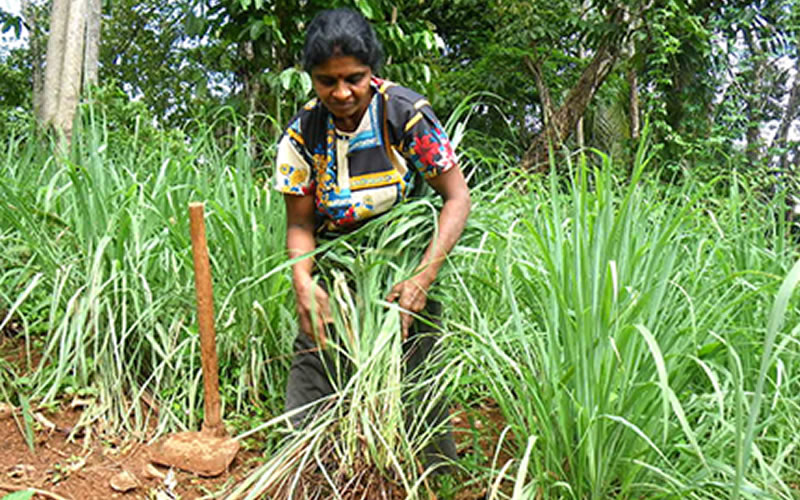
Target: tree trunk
(754, 149)
(72, 68)
(31, 19)
(564, 120)
(790, 113)
(62, 82)
(252, 88)
(55, 59)
(535, 68)
(92, 42)
(633, 82)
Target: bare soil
(83, 466)
(82, 463)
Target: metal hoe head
(198, 452)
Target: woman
(361, 147)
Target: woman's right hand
(312, 301)
(313, 309)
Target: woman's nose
(341, 91)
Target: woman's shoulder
(405, 108)
(400, 95)
(310, 109)
(309, 121)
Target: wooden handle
(205, 319)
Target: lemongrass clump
(367, 440)
(99, 237)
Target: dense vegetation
(630, 331)
(629, 310)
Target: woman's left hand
(411, 295)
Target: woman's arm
(411, 294)
(300, 240)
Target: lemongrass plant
(619, 366)
(106, 230)
(367, 437)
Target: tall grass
(620, 365)
(368, 437)
(639, 340)
(107, 232)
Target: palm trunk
(72, 67)
(31, 19)
(790, 113)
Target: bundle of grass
(368, 439)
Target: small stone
(6, 410)
(21, 472)
(163, 495)
(50, 426)
(152, 472)
(124, 481)
(81, 403)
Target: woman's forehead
(339, 65)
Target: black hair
(341, 32)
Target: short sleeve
(426, 144)
(293, 172)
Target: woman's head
(341, 32)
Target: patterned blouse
(357, 175)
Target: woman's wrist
(301, 281)
(425, 277)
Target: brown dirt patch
(81, 467)
(80, 464)
(477, 429)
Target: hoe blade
(197, 452)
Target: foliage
(619, 326)
(104, 267)
(698, 67)
(15, 93)
(146, 49)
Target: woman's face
(342, 83)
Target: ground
(65, 464)
(82, 467)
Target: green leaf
(305, 82)
(429, 39)
(366, 8)
(272, 22)
(256, 29)
(286, 78)
(195, 26)
(12, 22)
(19, 495)
(426, 73)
